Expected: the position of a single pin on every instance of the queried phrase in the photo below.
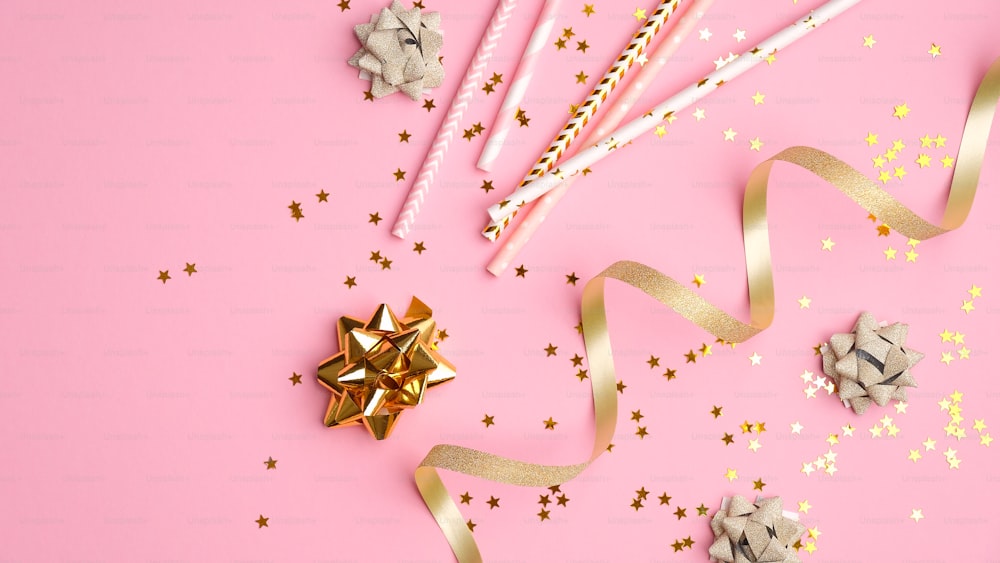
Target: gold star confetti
(568, 32)
(804, 506)
(404, 137)
(756, 144)
(758, 98)
(488, 420)
(636, 504)
(923, 160)
(828, 244)
(369, 97)
(690, 357)
(349, 282)
(164, 276)
(374, 218)
(494, 502)
(588, 9)
(934, 51)
(727, 438)
(704, 34)
(899, 172)
(550, 350)
(917, 514)
(296, 208)
(653, 362)
(271, 463)
(729, 135)
(466, 498)
(639, 14)
(560, 44)
(740, 35)
(731, 475)
(914, 455)
(571, 278)
(419, 247)
(871, 139)
(581, 78)
(753, 445)
(796, 427)
(869, 41)
(804, 302)
(755, 359)
(665, 499)
(582, 46)
(901, 111)
(680, 513)
(641, 432)
(550, 424)
(911, 256)
(759, 484)
(488, 88)
(670, 374)
(968, 307)
(660, 131)
(521, 271)
(429, 105)
(261, 522)
(698, 280)
(344, 5)
(706, 349)
(386, 264)
(296, 379)
(471, 525)
(975, 291)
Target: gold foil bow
(747, 532)
(870, 363)
(695, 308)
(399, 49)
(384, 367)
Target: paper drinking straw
(449, 127)
(521, 234)
(519, 85)
(633, 129)
(590, 105)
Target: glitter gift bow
(746, 532)
(384, 368)
(399, 49)
(870, 363)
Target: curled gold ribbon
(696, 309)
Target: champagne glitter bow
(747, 532)
(399, 49)
(870, 364)
(384, 368)
(696, 309)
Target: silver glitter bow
(399, 50)
(754, 533)
(870, 363)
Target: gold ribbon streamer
(702, 313)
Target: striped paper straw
(449, 127)
(575, 125)
(533, 219)
(633, 129)
(519, 86)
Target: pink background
(135, 416)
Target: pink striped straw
(449, 127)
(519, 86)
(533, 219)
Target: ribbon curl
(696, 309)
